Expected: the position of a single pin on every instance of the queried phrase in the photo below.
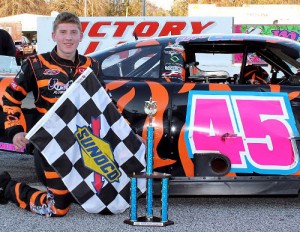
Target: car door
(233, 127)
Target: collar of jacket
(63, 62)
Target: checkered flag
(91, 146)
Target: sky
(165, 4)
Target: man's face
(67, 37)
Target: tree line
(115, 7)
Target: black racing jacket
(48, 76)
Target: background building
(250, 14)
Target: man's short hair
(66, 17)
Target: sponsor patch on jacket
(81, 70)
(14, 85)
(51, 72)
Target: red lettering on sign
(172, 28)
(120, 42)
(94, 32)
(146, 29)
(114, 30)
(84, 26)
(198, 28)
(92, 47)
(122, 26)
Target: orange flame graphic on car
(160, 95)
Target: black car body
(227, 120)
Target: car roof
(232, 37)
(237, 39)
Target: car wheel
(38, 166)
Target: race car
(227, 120)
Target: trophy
(150, 220)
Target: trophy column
(150, 220)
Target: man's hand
(19, 140)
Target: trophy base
(154, 175)
(144, 221)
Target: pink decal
(237, 29)
(213, 129)
(266, 138)
(286, 34)
(10, 147)
(255, 132)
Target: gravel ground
(189, 214)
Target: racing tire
(38, 166)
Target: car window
(255, 65)
(143, 62)
(213, 68)
(226, 68)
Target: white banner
(104, 32)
